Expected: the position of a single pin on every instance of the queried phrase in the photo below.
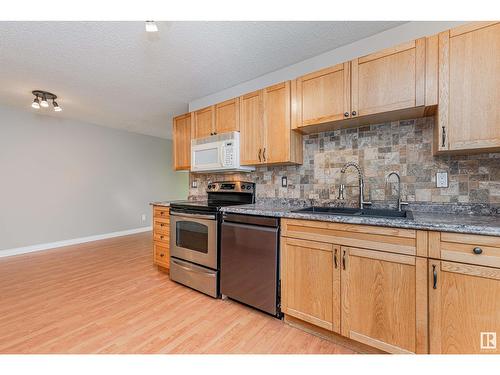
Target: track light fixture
(36, 103)
(44, 103)
(151, 27)
(45, 96)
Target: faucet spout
(398, 178)
(361, 198)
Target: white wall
(62, 179)
(400, 34)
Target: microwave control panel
(228, 154)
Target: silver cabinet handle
(443, 141)
(259, 155)
(264, 154)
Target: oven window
(192, 235)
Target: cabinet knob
(346, 114)
(354, 113)
(477, 250)
(162, 255)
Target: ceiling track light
(151, 27)
(45, 96)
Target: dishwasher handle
(263, 221)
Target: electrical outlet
(442, 179)
(143, 218)
(284, 181)
(194, 184)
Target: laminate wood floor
(107, 297)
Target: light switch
(442, 179)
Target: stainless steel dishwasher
(250, 261)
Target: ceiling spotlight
(56, 106)
(44, 103)
(151, 27)
(45, 96)
(36, 103)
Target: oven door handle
(194, 216)
(185, 268)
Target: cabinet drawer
(161, 212)
(160, 237)
(470, 248)
(161, 226)
(161, 254)
(394, 240)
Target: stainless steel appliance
(195, 233)
(249, 261)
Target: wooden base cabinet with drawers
(396, 290)
(349, 285)
(464, 293)
(161, 236)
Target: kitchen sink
(368, 212)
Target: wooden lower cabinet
(161, 236)
(311, 282)
(464, 308)
(397, 290)
(384, 300)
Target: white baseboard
(74, 241)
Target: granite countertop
(162, 203)
(472, 224)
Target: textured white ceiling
(115, 74)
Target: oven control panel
(231, 187)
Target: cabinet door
(389, 80)
(464, 308)
(310, 282)
(227, 116)
(469, 81)
(323, 96)
(204, 122)
(251, 128)
(277, 123)
(181, 134)
(384, 300)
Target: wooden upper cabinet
(469, 88)
(277, 135)
(266, 136)
(464, 308)
(181, 134)
(227, 116)
(251, 128)
(323, 96)
(311, 282)
(389, 80)
(384, 300)
(204, 122)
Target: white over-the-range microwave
(218, 153)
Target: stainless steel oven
(194, 235)
(194, 238)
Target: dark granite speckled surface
(458, 223)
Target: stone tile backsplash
(402, 146)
